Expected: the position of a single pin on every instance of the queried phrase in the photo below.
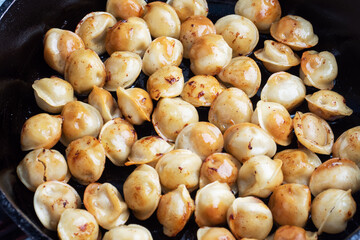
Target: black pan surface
(23, 24)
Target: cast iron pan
(23, 24)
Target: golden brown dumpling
(80, 119)
(328, 105)
(244, 73)
(298, 165)
(193, 28)
(189, 8)
(313, 132)
(142, 191)
(201, 90)
(290, 204)
(245, 140)
(40, 131)
(348, 145)
(171, 115)
(239, 32)
(275, 120)
(318, 69)
(261, 12)
(212, 203)
(294, 31)
(124, 9)
(175, 209)
(231, 107)
(337, 174)
(86, 159)
(58, 45)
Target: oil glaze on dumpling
(275, 120)
(261, 12)
(124, 9)
(277, 57)
(244, 73)
(294, 31)
(175, 209)
(231, 107)
(239, 32)
(246, 140)
(284, 88)
(189, 8)
(348, 145)
(313, 132)
(318, 69)
(328, 105)
(58, 45)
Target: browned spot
(143, 100)
(180, 168)
(83, 227)
(171, 80)
(249, 146)
(191, 83)
(201, 94)
(231, 217)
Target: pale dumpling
(244, 73)
(284, 88)
(211, 233)
(105, 203)
(117, 136)
(162, 20)
(51, 199)
(275, 120)
(104, 102)
(256, 215)
(77, 224)
(128, 232)
(231, 107)
(294, 31)
(239, 32)
(259, 176)
(51, 94)
(246, 140)
(93, 28)
(41, 165)
(318, 70)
